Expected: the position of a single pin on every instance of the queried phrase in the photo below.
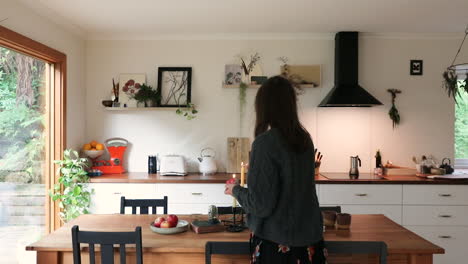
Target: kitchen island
(189, 247)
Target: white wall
(26, 22)
(427, 113)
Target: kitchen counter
(324, 178)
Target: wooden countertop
(363, 228)
(324, 178)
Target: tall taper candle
(242, 174)
(234, 202)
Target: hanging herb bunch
(453, 86)
(393, 113)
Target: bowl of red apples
(169, 225)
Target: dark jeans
(268, 252)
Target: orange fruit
(86, 147)
(99, 146)
(93, 143)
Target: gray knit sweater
(280, 201)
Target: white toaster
(172, 165)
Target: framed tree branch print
(175, 84)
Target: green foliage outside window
(461, 125)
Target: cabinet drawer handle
(197, 193)
(445, 236)
(117, 193)
(445, 216)
(445, 195)
(361, 194)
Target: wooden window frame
(56, 110)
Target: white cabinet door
(452, 239)
(106, 197)
(194, 193)
(435, 215)
(435, 194)
(360, 194)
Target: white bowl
(182, 226)
(94, 153)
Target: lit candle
(234, 202)
(242, 174)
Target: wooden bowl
(107, 103)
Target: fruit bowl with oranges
(93, 149)
(169, 225)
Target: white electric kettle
(207, 163)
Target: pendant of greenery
(393, 113)
(451, 82)
(75, 197)
(189, 112)
(147, 95)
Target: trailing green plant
(393, 113)
(72, 190)
(242, 96)
(189, 112)
(147, 94)
(451, 81)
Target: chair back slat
(225, 248)
(106, 240)
(107, 253)
(123, 259)
(92, 254)
(143, 204)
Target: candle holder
(235, 225)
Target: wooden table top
(363, 228)
(324, 178)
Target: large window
(461, 130)
(32, 136)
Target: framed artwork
(175, 84)
(416, 67)
(129, 84)
(232, 74)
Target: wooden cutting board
(238, 152)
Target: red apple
(158, 221)
(173, 220)
(165, 224)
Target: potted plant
(75, 197)
(148, 96)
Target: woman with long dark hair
(281, 203)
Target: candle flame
(242, 163)
(233, 176)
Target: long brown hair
(276, 107)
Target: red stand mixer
(116, 148)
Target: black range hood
(347, 92)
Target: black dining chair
(106, 240)
(358, 247)
(331, 208)
(143, 204)
(225, 248)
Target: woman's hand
(229, 187)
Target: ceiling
(105, 18)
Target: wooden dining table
(189, 247)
